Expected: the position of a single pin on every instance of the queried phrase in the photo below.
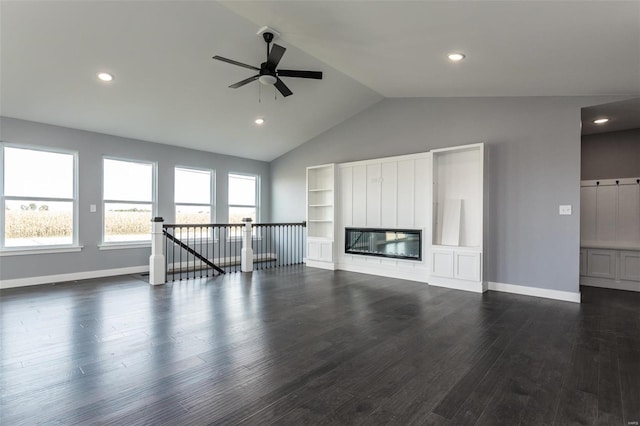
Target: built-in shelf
(458, 213)
(320, 215)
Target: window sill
(22, 251)
(123, 246)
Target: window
(128, 200)
(39, 197)
(243, 198)
(193, 191)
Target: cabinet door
(320, 250)
(467, 266)
(442, 263)
(630, 265)
(601, 263)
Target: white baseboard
(75, 276)
(322, 265)
(472, 286)
(419, 275)
(613, 284)
(536, 292)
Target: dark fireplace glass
(394, 243)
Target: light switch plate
(565, 210)
(92, 208)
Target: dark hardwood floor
(301, 346)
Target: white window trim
(21, 251)
(121, 245)
(212, 194)
(41, 249)
(258, 195)
(106, 245)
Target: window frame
(212, 193)
(257, 198)
(105, 245)
(51, 248)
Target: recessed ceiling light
(259, 121)
(455, 57)
(600, 120)
(105, 76)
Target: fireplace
(393, 243)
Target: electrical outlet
(565, 210)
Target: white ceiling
(513, 48)
(169, 90)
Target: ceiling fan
(268, 73)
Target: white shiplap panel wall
(406, 193)
(374, 174)
(606, 208)
(423, 179)
(345, 180)
(392, 193)
(389, 195)
(628, 223)
(588, 213)
(360, 196)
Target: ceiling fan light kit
(268, 74)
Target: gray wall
(611, 155)
(91, 147)
(534, 166)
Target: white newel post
(246, 254)
(157, 274)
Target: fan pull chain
(259, 93)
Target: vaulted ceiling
(167, 89)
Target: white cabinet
(612, 267)
(458, 217)
(467, 266)
(630, 265)
(601, 263)
(442, 263)
(320, 250)
(320, 215)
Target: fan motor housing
(263, 30)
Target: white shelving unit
(458, 206)
(320, 216)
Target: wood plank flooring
(302, 346)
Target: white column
(246, 254)
(157, 273)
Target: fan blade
(232, 62)
(274, 56)
(300, 74)
(245, 81)
(282, 88)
